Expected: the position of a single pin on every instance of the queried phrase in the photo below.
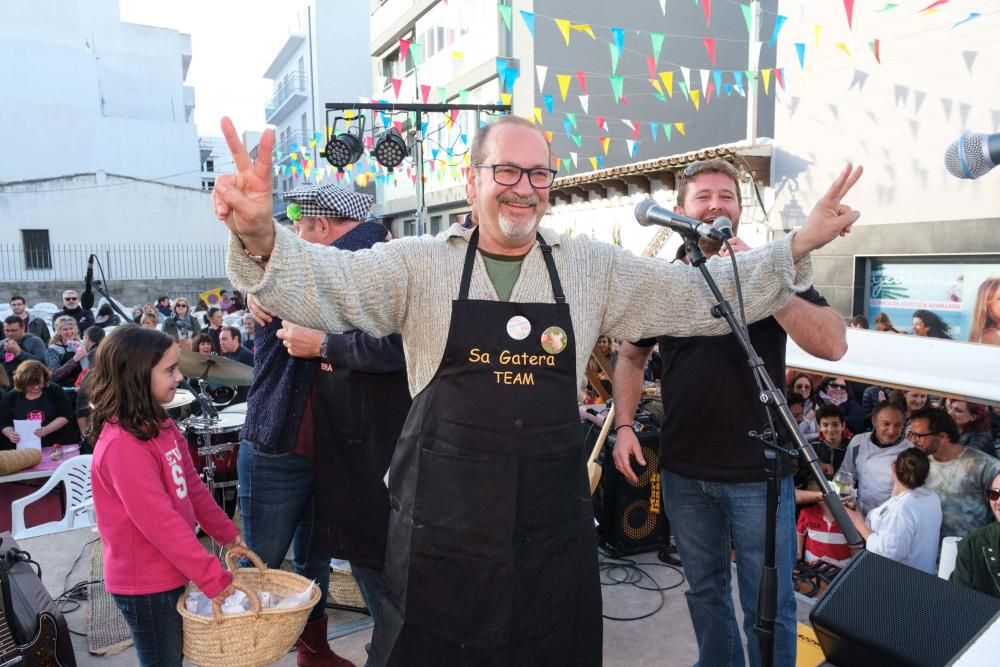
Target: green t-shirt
(503, 271)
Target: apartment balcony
(293, 91)
(296, 138)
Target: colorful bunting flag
(573, 156)
(571, 117)
(505, 11)
(602, 124)
(529, 21)
(605, 142)
(581, 77)
(631, 143)
(653, 127)
(564, 80)
(548, 99)
(538, 116)
(849, 8)
(800, 49)
(651, 67)
(540, 72)
(404, 48)
(614, 58)
(656, 39)
(932, 7)
(843, 47)
(578, 140)
(766, 74)
(668, 83)
(680, 128)
(618, 35)
(779, 76)
(442, 95)
(585, 27)
(874, 46)
(593, 163)
(747, 15)
(585, 103)
(710, 47)
(695, 99)
(971, 16)
(563, 26)
(396, 84)
(616, 86)
(706, 5)
(778, 22)
(416, 53)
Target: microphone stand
(100, 289)
(774, 402)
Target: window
(302, 65)
(409, 228)
(305, 132)
(37, 252)
(435, 225)
(209, 165)
(391, 68)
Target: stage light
(345, 148)
(390, 150)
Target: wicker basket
(344, 590)
(254, 638)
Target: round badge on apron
(554, 340)
(518, 327)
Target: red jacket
(148, 496)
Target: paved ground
(664, 638)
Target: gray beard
(514, 231)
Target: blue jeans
(703, 516)
(372, 589)
(155, 626)
(276, 510)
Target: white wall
(896, 118)
(84, 93)
(103, 208)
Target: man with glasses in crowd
(491, 556)
(977, 565)
(32, 325)
(960, 475)
(713, 477)
(71, 307)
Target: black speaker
(631, 516)
(882, 613)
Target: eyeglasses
(913, 435)
(181, 305)
(71, 298)
(510, 175)
(993, 494)
(836, 385)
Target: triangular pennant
(631, 143)
(686, 73)
(558, 163)
(680, 128)
(816, 31)
(874, 46)
(616, 86)
(585, 103)
(695, 99)
(593, 163)
(538, 116)
(849, 8)
(704, 74)
(605, 142)
(512, 75)
(918, 100)
(463, 96)
(970, 58)
(684, 89)
(548, 99)
(425, 92)
(404, 48)
(618, 37)
(417, 53)
(766, 73)
(668, 83)
(564, 80)
(651, 67)
(585, 27)
(663, 7)
(581, 77)
(578, 140)
(505, 98)
(656, 39)
(653, 129)
(717, 77)
(614, 58)
(747, 15)
(572, 118)
(706, 5)
(710, 47)
(574, 157)
(548, 136)
(800, 49)
(568, 127)
(843, 47)
(659, 89)
(396, 84)
(778, 22)
(540, 72)
(779, 76)
(529, 21)
(442, 95)
(505, 12)
(602, 124)
(729, 89)
(563, 25)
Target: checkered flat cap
(330, 201)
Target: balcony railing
(297, 138)
(293, 85)
(120, 261)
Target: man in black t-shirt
(713, 477)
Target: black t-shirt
(710, 402)
(51, 404)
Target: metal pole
(418, 159)
(753, 58)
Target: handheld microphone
(647, 212)
(972, 155)
(87, 298)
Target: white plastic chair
(79, 510)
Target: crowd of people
(481, 549)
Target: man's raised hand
(829, 218)
(243, 199)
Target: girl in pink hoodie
(147, 493)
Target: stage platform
(664, 639)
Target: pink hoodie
(148, 497)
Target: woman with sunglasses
(978, 563)
(181, 325)
(835, 391)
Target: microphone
(87, 298)
(647, 212)
(972, 155)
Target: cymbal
(215, 368)
(181, 398)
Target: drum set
(211, 421)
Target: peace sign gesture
(829, 218)
(243, 199)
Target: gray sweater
(407, 286)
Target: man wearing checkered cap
(323, 416)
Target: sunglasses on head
(993, 494)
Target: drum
(214, 447)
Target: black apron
(492, 557)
